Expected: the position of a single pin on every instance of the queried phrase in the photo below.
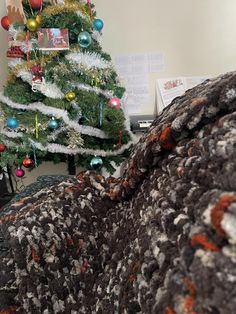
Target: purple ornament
(114, 102)
(19, 172)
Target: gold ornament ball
(21, 36)
(38, 19)
(32, 25)
(70, 96)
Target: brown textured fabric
(161, 239)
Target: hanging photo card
(53, 39)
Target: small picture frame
(50, 39)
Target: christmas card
(53, 39)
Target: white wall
(197, 37)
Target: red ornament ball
(114, 102)
(19, 172)
(2, 148)
(36, 4)
(5, 22)
(28, 162)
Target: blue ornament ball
(96, 163)
(98, 24)
(12, 123)
(84, 39)
(53, 124)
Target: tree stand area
(6, 186)
(71, 165)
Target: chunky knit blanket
(160, 239)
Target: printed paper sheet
(134, 72)
(170, 88)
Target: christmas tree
(62, 97)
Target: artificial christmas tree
(62, 97)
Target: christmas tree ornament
(15, 52)
(37, 70)
(12, 123)
(2, 148)
(37, 83)
(95, 80)
(74, 139)
(70, 96)
(114, 102)
(36, 4)
(21, 36)
(28, 162)
(32, 25)
(53, 124)
(5, 22)
(19, 172)
(38, 20)
(98, 24)
(96, 163)
(84, 39)
(38, 77)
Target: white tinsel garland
(77, 108)
(108, 94)
(83, 16)
(53, 136)
(89, 60)
(57, 148)
(51, 90)
(31, 45)
(57, 113)
(26, 76)
(13, 32)
(14, 62)
(97, 36)
(127, 118)
(11, 134)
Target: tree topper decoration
(15, 11)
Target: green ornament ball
(84, 39)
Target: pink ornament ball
(19, 173)
(114, 102)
